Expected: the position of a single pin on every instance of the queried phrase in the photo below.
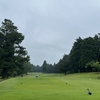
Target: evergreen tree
(44, 66)
(63, 64)
(12, 54)
(75, 56)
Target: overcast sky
(50, 27)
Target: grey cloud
(51, 26)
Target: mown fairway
(51, 87)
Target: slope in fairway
(51, 87)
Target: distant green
(51, 87)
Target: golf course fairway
(51, 87)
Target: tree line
(83, 57)
(14, 59)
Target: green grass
(51, 87)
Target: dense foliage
(82, 53)
(12, 54)
(83, 57)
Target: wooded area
(14, 59)
(83, 57)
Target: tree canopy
(83, 52)
(12, 54)
(14, 57)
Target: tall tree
(84, 51)
(44, 66)
(75, 56)
(63, 64)
(13, 55)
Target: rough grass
(51, 87)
